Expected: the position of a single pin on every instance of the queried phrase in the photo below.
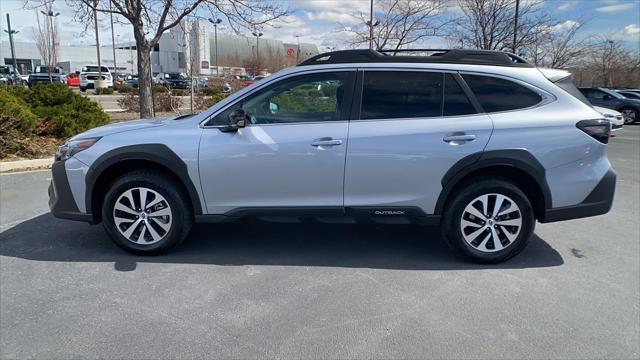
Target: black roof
(452, 56)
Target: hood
(123, 126)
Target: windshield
(4, 69)
(94, 69)
(567, 85)
(175, 76)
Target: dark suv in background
(629, 108)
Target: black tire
(180, 209)
(635, 119)
(465, 195)
(83, 89)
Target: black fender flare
(520, 159)
(156, 153)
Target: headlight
(72, 147)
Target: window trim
(349, 96)
(546, 97)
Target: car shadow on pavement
(404, 247)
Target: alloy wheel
(142, 216)
(629, 116)
(491, 222)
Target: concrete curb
(24, 165)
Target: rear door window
(401, 94)
(456, 101)
(496, 94)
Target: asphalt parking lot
(267, 290)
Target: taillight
(599, 129)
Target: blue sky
(319, 21)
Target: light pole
(215, 23)
(95, 21)
(515, 26)
(298, 49)
(257, 35)
(52, 51)
(113, 45)
(371, 24)
(13, 51)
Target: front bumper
(61, 200)
(598, 202)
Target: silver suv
(481, 143)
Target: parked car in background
(41, 75)
(90, 73)
(173, 80)
(25, 78)
(629, 108)
(73, 79)
(630, 94)
(132, 80)
(478, 142)
(8, 76)
(616, 118)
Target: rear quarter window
(496, 94)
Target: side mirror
(237, 120)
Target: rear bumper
(598, 202)
(61, 202)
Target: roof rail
(451, 56)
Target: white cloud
(615, 7)
(332, 5)
(332, 16)
(566, 6)
(632, 29)
(565, 26)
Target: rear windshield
(567, 85)
(94, 69)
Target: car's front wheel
(630, 115)
(489, 220)
(145, 213)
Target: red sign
(291, 52)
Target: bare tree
(557, 46)
(151, 18)
(608, 63)
(403, 23)
(47, 39)
(489, 24)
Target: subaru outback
(481, 143)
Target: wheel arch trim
(159, 154)
(520, 159)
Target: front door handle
(458, 139)
(325, 142)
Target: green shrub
(78, 115)
(211, 91)
(62, 112)
(159, 89)
(15, 114)
(216, 99)
(104, 91)
(179, 92)
(49, 95)
(123, 88)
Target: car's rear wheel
(145, 213)
(489, 220)
(83, 89)
(630, 115)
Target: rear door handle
(326, 141)
(458, 139)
